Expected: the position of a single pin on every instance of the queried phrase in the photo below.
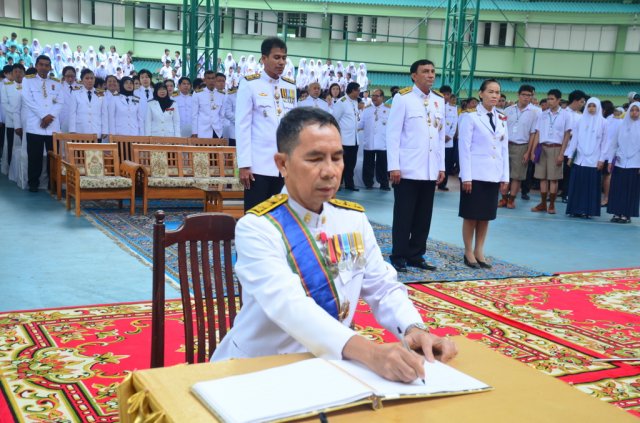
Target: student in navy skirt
(586, 154)
(624, 156)
(484, 170)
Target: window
(572, 37)
(374, 28)
(633, 39)
(297, 25)
(487, 34)
(10, 8)
(502, 35)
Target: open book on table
(313, 386)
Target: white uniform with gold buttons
(483, 151)
(207, 113)
(162, 124)
(415, 134)
(318, 103)
(184, 102)
(277, 317)
(262, 101)
(42, 97)
(125, 115)
(88, 116)
(373, 121)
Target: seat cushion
(171, 182)
(235, 182)
(93, 182)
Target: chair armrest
(73, 172)
(129, 169)
(51, 153)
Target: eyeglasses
(375, 95)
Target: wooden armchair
(94, 172)
(58, 154)
(203, 240)
(220, 142)
(124, 144)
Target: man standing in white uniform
(415, 152)
(373, 122)
(263, 100)
(184, 102)
(292, 308)
(347, 114)
(207, 117)
(314, 99)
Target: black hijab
(122, 90)
(165, 102)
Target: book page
(440, 379)
(279, 392)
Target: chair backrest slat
(203, 244)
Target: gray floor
(50, 258)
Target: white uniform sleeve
(30, 101)
(73, 110)
(442, 132)
(148, 119)
(244, 121)
(394, 132)
(195, 109)
(505, 155)
(176, 120)
(465, 134)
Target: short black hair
(352, 86)
(66, 68)
(109, 77)
(147, 72)
(445, 89)
(486, 82)
(221, 74)
(43, 57)
(184, 78)
(576, 95)
(30, 71)
(197, 82)
(418, 63)
(85, 71)
(543, 101)
(210, 72)
(18, 66)
(555, 92)
(607, 108)
(526, 87)
(270, 43)
(7, 69)
(288, 133)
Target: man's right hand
(19, 132)
(246, 177)
(194, 135)
(46, 121)
(394, 177)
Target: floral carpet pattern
(135, 234)
(557, 325)
(63, 365)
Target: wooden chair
(94, 172)
(59, 153)
(220, 142)
(203, 237)
(124, 144)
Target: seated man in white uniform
(301, 295)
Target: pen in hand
(406, 346)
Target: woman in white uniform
(484, 170)
(586, 154)
(125, 116)
(88, 109)
(163, 118)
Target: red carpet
(556, 325)
(64, 364)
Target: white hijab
(588, 128)
(629, 134)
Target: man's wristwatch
(416, 325)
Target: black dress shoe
(399, 265)
(353, 189)
(470, 264)
(525, 196)
(421, 264)
(443, 189)
(484, 264)
(385, 188)
(33, 189)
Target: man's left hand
(559, 160)
(440, 177)
(432, 346)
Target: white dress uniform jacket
(415, 134)
(277, 317)
(262, 102)
(42, 97)
(483, 151)
(145, 95)
(185, 105)
(207, 113)
(319, 103)
(373, 122)
(67, 93)
(2, 99)
(229, 112)
(8, 91)
(451, 124)
(88, 117)
(347, 114)
(162, 124)
(125, 116)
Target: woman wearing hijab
(301, 79)
(102, 55)
(67, 53)
(47, 51)
(111, 67)
(90, 54)
(229, 63)
(125, 115)
(36, 48)
(58, 65)
(624, 195)
(362, 80)
(302, 64)
(242, 66)
(252, 66)
(162, 118)
(586, 154)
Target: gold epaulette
(175, 94)
(76, 88)
(8, 82)
(252, 77)
(388, 105)
(54, 79)
(469, 110)
(33, 75)
(199, 90)
(344, 98)
(289, 80)
(221, 91)
(232, 91)
(267, 205)
(346, 205)
(406, 90)
(438, 93)
(619, 117)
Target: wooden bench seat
(94, 172)
(177, 171)
(59, 153)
